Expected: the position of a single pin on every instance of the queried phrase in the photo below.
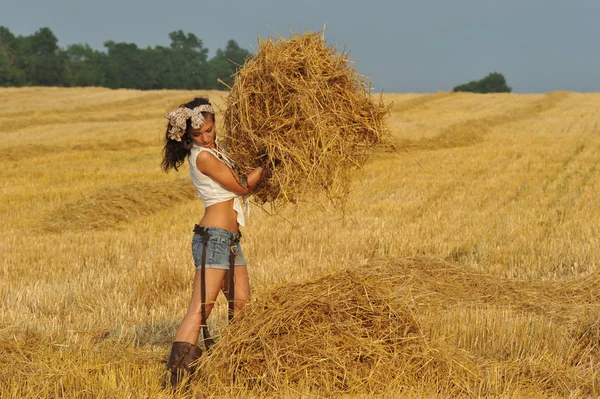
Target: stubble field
(488, 227)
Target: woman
(191, 134)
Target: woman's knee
(196, 310)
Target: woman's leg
(241, 289)
(189, 330)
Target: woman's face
(205, 136)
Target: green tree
(225, 64)
(85, 66)
(188, 61)
(37, 60)
(492, 83)
(10, 74)
(125, 66)
(41, 59)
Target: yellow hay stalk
(347, 332)
(108, 207)
(300, 106)
(379, 328)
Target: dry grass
(393, 324)
(486, 256)
(350, 331)
(301, 104)
(114, 204)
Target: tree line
(37, 60)
(493, 83)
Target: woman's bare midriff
(221, 215)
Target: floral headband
(179, 116)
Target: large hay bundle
(352, 331)
(300, 102)
(422, 325)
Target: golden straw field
(467, 266)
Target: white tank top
(209, 190)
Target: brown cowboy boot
(182, 355)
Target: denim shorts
(218, 249)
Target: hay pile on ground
(347, 332)
(300, 105)
(399, 325)
(108, 207)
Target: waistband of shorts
(216, 230)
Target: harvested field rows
(468, 267)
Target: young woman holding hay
(216, 247)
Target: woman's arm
(254, 177)
(209, 165)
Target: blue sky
(404, 45)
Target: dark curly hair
(175, 152)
